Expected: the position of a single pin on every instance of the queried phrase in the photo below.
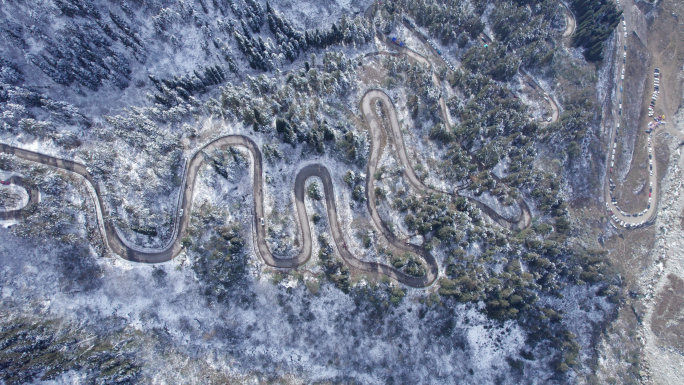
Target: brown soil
(665, 50)
(666, 45)
(630, 254)
(631, 251)
(631, 192)
(373, 73)
(668, 318)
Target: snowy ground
(285, 330)
(424, 151)
(311, 14)
(13, 197)
(236, 340)
(232, 194)
(538, 109)
(664, 364)
(279, 203)
(509, 212)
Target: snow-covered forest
(133, 89)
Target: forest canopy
(596, 20)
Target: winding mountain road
(570, 21)
(133, 253)
(618, 216)
(522, 221)
(118, 246)
(376, 128)
(371, 99)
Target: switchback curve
(648, 215)
(119, 246)
(522, 221)
(570, 21)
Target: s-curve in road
(117, 245)
(377, 98)
(650, 206)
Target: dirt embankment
(645, 343)
(667, 321)
(632, 149)
(663, 282)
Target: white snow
(508, 212)
(18, 195)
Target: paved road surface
(614, 135)
(119, 246)
(570, 21)
(368, 102)
(522, 221)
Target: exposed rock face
(662, 284)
